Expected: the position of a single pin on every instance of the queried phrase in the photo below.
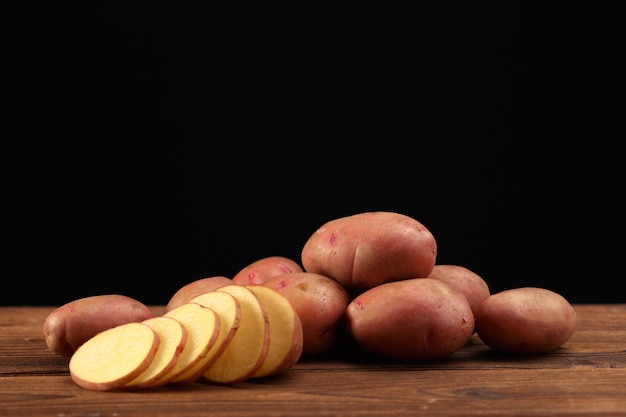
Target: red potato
(257, 272)
(367, 249)
(420, 318)
(195, 288)
(114, 357)
(320, 303)
(467, 281)
(67, 327)
(525, 320)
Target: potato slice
(286, 337)
(173, 336)
(246, 352)
(229, 311)
(114, 357)
(203, 326)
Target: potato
(525, 320)
(248, 348)
(419, 318)
(114, 356)
(69, 326)
(367, 249)
(173, 337)
(228, 309)
(467, 281)
(203, 329)
(286, 337)
(257, 272)
(320, 303)
(195, 288)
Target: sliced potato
(229, 311)
(246, 352)
(173, 336)
(286, 337)
(114, 357)
(203, 326)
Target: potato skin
(196, 288)
(469, 282)
(414, 319)
(320, 302)
(260, 270)
(364, 250)
(67, 327)
(525, 320)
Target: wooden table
(586, 377)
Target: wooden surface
(586, 377)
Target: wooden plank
(587, 376)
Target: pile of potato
(370, 279)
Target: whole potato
(367, 249)
(414, 319)
(320, 302)
(258, 271)
(67, 327)
(525, 320)
(467, 281)
(195, 288)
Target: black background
(152, 145)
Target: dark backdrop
(151, 146)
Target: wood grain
(586, 377)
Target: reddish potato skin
(414, 319)
(320, 302)
(525, 320)
(195, 288)
(67, 327)
(367, 249)
(258, 271)
(467, 281)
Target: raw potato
(114, 357)
(367, 249)
(286, 338)
(195, 288)
(469, 282)
(203, 326)
(420, 318)
(173, 336)
(246, 352)
(259, 271)
(72, 324)
(320, 303)
(525, 320)
(228, 309)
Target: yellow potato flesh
(173, 337)
(227, 308)
(283, 338)
(202, 325)
(246, 352)
(113, 357)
